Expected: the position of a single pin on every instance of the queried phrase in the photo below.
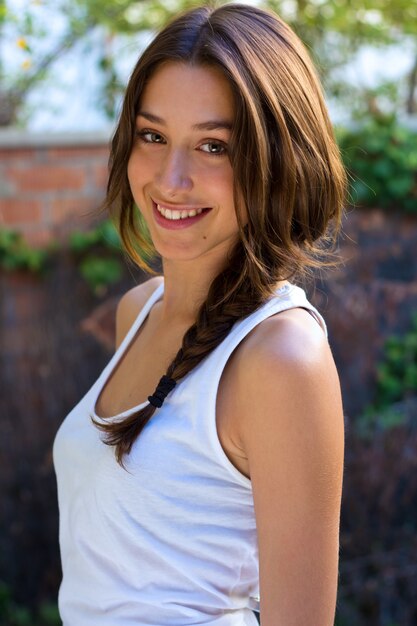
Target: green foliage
(397, 374)
(381, 157)
(104, 235)
(26, 28)
(98, 256)
(12, 614)
(3, 11)
(100, 272)
(373, 420)
(396, 382)
(15, 254)
(49, 615)
(126, 16)
(333, 31)
(386, 98)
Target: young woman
(203, 470)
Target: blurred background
(63, 67)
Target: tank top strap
(289, 296)
(139, 320)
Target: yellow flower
(26, 65)
(22, 43)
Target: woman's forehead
(201, 93)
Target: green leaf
(49, 615)
(400, 186)
(381, 157)
(80, 241)
(100, 272)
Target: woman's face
(179, 170)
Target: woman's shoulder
(131, 304)
(286, 354)
(292, 334)
(287, 384)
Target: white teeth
(177, 215)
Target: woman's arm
(291, 428)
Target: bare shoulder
(291, 338)
(131, 304)
(285, 370)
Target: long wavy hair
(288, 173)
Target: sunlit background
(89, 48)
(63, 67)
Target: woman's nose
(174, 173)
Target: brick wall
(51, 184)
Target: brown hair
(287, 171)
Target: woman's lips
(177, 224)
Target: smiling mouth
(179, 214)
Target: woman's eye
(210, 147)
(214, 147)
(149, 136)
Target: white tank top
(171, 541)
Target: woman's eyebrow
(211, 125)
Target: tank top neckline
(124, 346)
(120, 352)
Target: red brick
(47, 178)
(101, 175)
(17, 211)
(17, 154)
(77, 152)
(73, 210)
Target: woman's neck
(186, 285)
